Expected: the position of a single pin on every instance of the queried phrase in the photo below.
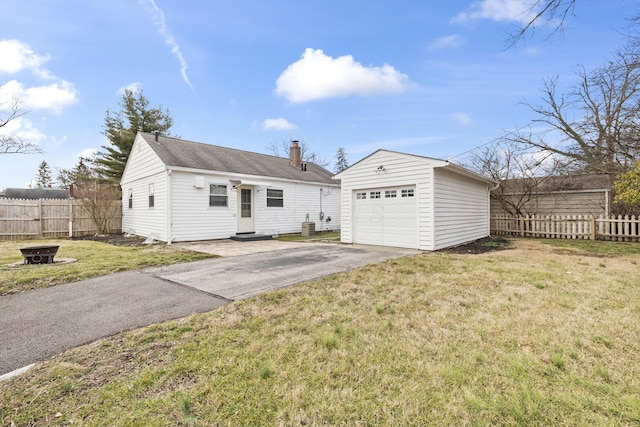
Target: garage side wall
(461, 209)
(385, 170)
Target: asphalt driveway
(38, 324)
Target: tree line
(591, 128)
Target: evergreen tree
(341, 160)
(81, 172)
(121, 127)
(43, 179)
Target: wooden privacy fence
(618, 228)
(44, 218)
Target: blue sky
(428, 78)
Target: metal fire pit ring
(42, 254)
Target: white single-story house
(410, 201)
(175, 190)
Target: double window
(218, 195)
(275, 198)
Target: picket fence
(47, 218)
(616, 228)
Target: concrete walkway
(38, 324)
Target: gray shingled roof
(550, 184)
(176, 152)
(35, 193)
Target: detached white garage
(409, 201)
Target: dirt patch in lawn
(480, 246)
(114, 239)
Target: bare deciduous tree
(14, 144)
(544, 12)
(518, 170)
(100, 202)
(281, 149)
(596, 125)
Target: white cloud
(453, 40)
(87, 153)
(496, 10)
(134, 87)
(24, 129)
(462, 119)
(157, 15)
(53, 97)
(17, 56)
(278, 124)
(318, 76)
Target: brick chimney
(294, 154)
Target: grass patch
(465, 340)
(320, 235)
(591, 247)
(93, 259)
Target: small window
(130, 198)
(275, 198)
(407, 193)
(374, 195)
(389, 194)
(218, 195)
(151, 197)
(361, 196)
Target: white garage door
(386, 216)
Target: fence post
(40, 233)
(593, 227)
(521, 221)
(70, 202)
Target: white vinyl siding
(401, 171)
(143, 171)
(191, 216)
(461, 209)
(388, 195)
(193, 219)
(301, 200)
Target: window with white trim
(218, 195)
(407, 193)
(275, 198)
(361, 195)
(389, 194)
(374, 195)
(151, 196)
(130, 198)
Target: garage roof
(439, 163)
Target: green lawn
(322, 235)
(93, 259)
(538, 334)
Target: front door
(245, 210)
